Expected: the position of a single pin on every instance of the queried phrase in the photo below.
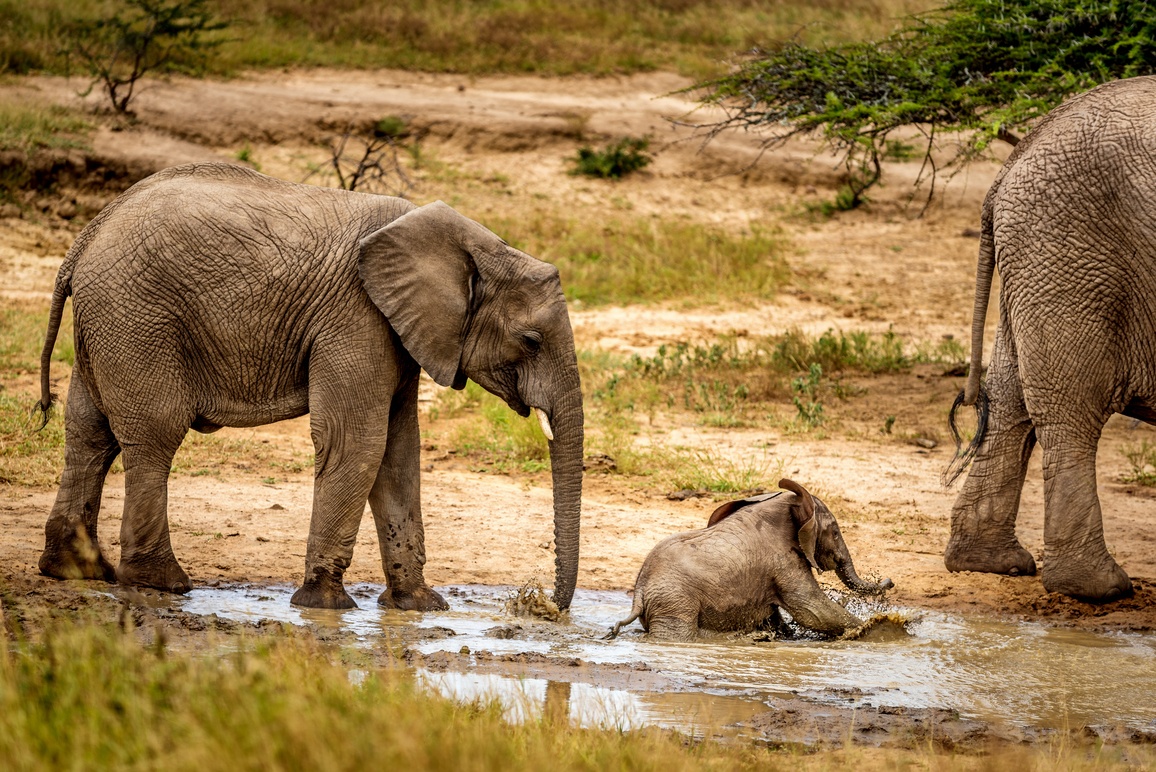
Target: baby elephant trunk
(845, 570)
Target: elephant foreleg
(983, 519)
(71, 549)
(810, 607)
(396, 504)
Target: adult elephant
(1070, 223)
(210, 295)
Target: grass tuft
(1141, 458)
(501, 440)
(641, 260)
(27, 125)
(706, 470)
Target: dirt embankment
(877, 269)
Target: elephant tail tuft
(964, 456)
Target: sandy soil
(879, 268)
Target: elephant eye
(532, 341)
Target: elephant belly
(1142, 410)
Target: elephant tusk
(545, 423)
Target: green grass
(1141, 457)
(93, 698)
(28, 457)
(497, 439)
(643, 260)
(27, 125)
(692, 37)
(707, 470)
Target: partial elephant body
(210, 296)
(754, 557)
(1070, 223)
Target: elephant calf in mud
(754, 557)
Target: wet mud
(911, 677)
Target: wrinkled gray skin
(1070, 223)
(210, 295)
(754, 557)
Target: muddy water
(1012, 674)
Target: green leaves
(988, 68)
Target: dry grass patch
(692, 37)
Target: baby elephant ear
(419, 271)
(805, 521)
(729, 508)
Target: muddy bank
(960, 684)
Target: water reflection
(1009, 673)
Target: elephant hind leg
(71, 548)
(146, 552)
(983, 518)
(1076, 559)
(672, 629)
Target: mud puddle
(1021, 676)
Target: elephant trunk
(566, 456)
(845, 570)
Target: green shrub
(614, 161)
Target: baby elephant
(754, 556)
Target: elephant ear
(729, 508)
(804, 520)
(419, 270)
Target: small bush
(614, 161)
(806, 396)
(142, 36)
(1141, 457)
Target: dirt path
(876, 269)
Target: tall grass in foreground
(94, 698)
(510, 36)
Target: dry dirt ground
(875, 269)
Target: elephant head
(465, 304)
(820, 540)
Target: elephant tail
(984, 272)
(635, 613)
(59, 295)
(964, 456)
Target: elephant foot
(76, 562)
(1010, 559)
(1101, 582)
(165, 574)
(422, 599)
(324, 590)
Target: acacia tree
(140, 37)
(986, 69)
